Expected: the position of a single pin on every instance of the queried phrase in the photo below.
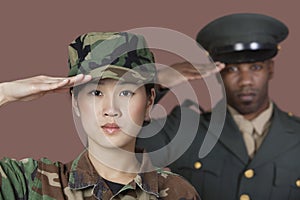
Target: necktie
(248, 135)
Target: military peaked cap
(242, 37)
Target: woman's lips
(110, 128)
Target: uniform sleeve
(16, 177)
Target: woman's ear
(150, 103)
(75, 106)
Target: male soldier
(257, 154)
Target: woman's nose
(110, 108)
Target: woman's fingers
(64, 83)
(35, 87)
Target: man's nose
(245, 77)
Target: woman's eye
(96, 93)
(126, 93)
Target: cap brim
(247, 56)
(120, 73)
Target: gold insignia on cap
(278, 47)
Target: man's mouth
(246, 97)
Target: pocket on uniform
(211, 166)
(202, 172)
(288, 181)
(287, 177)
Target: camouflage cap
(116, 55)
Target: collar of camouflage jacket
(83, 175)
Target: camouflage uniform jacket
(43, 179)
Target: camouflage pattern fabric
(43, 179)
(117, 55)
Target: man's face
(246, 86)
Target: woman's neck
(114, 164)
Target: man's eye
(232, 69)
(96, 93)
(126, 93)
(256, 67)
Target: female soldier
(111, 76)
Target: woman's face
(112, 112)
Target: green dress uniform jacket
(78, 179)
(228, 173)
